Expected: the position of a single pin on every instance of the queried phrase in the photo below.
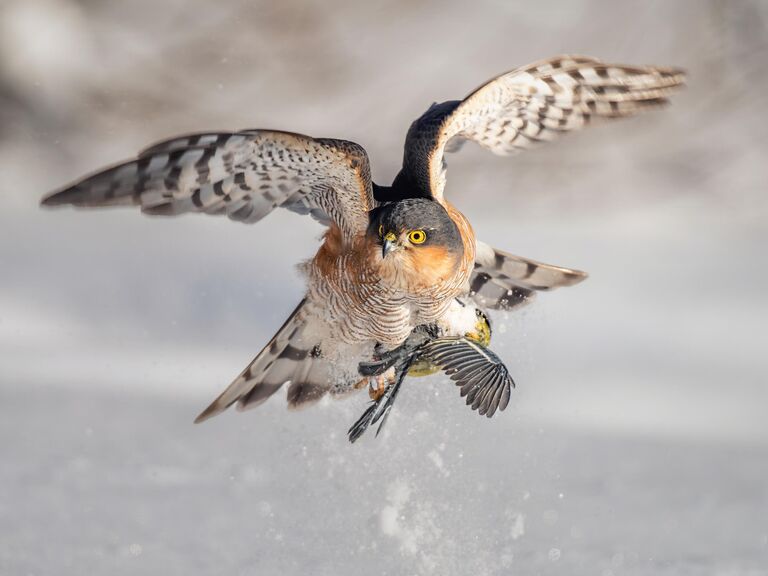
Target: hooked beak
(388, 244)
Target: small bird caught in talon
(481, 375)
(481, 333)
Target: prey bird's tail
(288, 357)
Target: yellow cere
(417, 236)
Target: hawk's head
(416, 242)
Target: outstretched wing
(528, 106)
(503, 281)
(244, 175)
(288, 357)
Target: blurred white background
(115, 329)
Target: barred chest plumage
(362, 301)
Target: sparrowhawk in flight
(394, 259)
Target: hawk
(394, 259)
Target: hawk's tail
(503, 281)
(287, 357)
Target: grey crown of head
(417, 214)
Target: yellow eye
(381, 230)
(417, 236)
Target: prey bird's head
(416, 237)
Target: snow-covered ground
(107, 482)
(637, 439)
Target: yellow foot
(482, 333)
(378, 384)
(361, 384)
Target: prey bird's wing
(244, 175)
(528, 106)
(503, 281)
(482, 376)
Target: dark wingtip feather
(361, 425)
(380, 409)
(209, 412)
(70, 195)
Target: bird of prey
(397, 262)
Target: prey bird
(399, 279)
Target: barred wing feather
(244, 175)
(527, 106)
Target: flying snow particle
(518, 527)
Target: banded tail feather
(502, 281)
(285, 358)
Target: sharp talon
(384, 377)
(482, 332)
(376, 393)
(377, 385)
